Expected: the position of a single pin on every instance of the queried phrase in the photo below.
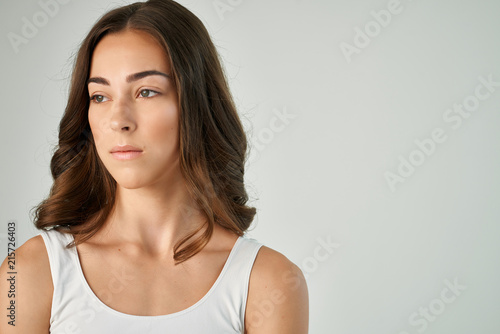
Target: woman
(149, 197)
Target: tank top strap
(63, 270)
(233, 288)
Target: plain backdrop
(375, 145)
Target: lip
(128, 155)
(125, 148)
(125, 152)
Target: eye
(147, 92)
(97, 98)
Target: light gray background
(317, 177)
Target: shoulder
(27, 282)
(278, 300)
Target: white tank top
(76, 309)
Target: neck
(153, 219)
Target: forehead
(128, 52)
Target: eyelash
(92, 98)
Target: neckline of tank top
(162, 316)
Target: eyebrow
(130, 78)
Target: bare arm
(32, 287)
(278, 299)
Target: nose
(122, 116)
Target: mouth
(125, 148)
(125, 152)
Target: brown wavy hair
(213, 143)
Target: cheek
(162, 126)
(97, 127)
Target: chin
(129, 182)
(129, 186)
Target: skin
(153, 211)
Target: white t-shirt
(76, 309)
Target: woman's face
(132, 106)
